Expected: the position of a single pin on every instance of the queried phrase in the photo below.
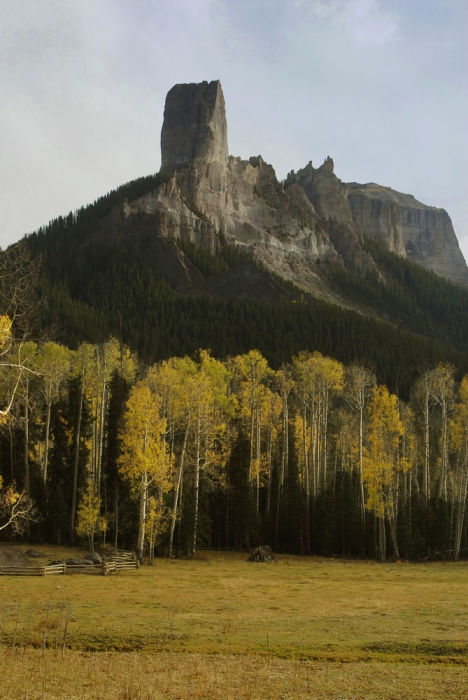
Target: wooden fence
(120, 561)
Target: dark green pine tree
(291, 522)
(59, 475)
(244, 523)
(119, 508)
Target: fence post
(43, 571)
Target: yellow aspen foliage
(144, 461)
(89, 518)
(459, 439)
(459, 422)
(143, 450)
(381, 461)
(5, 330)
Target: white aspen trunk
(426, 473)
(258, 439)
(93, 448)
(26, 439)
(116, 508)
(284, 464)
(76, 462)
(362, 504)
(391, 519)
(313, 447)
(270, 450)
(101, 438)
(177, 490)
(324, 436)
(304, 449)
(286, 434)
(142, 520)
(320, 475)
(196, 488)
(460, 507)
(306, 474)
(382, 540)
(444, 452)
(252, 422)
(46, 449)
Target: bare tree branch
(16, 510)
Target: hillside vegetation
(95, 285)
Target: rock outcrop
(194, 128)
(296, 229)
(329, 197)
(408, 228)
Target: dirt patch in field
(13, 556)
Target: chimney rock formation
(194, 127)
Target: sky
(379, 85)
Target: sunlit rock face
(296, 228)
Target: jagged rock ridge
(295, 229)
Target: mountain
(291, 228)
(214, 251)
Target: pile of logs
(263, 555)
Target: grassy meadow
(216, 626)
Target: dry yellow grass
(137, 676)
(303, 627)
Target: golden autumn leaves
(182, 419)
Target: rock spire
(195, 127)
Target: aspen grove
(194, 452)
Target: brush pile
(262, 555)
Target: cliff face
(296, 228)
(194, 128)
(413, 230)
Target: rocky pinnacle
(194, 128)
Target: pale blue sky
(380, 85)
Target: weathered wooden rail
(121, 561)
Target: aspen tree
(17, 359)
(382, 462)
(459, 439)
(409, 453)
(285, 383)
(208, 423)
(443, 383)
(18, 304)
(27, 355)
(53, 367)
(252, 372)
(175, 383)
(17, 509)
(82, 366)
(14, 395)
(108, 357)
(269, 428)
(154, 517)
(423, 398)
(318, 379)
(89, 518)
(359, 384)
(144, 461)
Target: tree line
(313, 457)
